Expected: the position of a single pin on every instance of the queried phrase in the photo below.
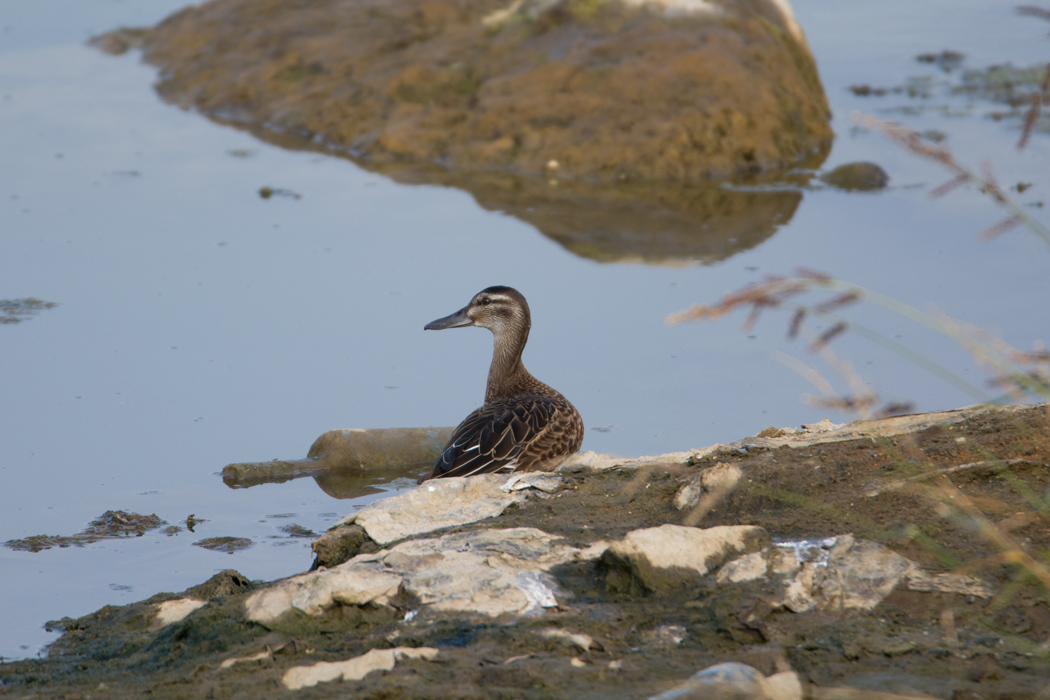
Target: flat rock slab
(490, 572)
(442, 503)
(659, 557)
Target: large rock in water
(578, 89)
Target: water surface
(199, 324)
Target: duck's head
(499, 309)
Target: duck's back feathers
(520, 432)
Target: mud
(887, 489)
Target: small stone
(665, 636)
(857, 177)
(175, 610)
(725, 681)
(747, 568)
(583, 642)
(719, 479)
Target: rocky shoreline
(821, 562)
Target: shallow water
(199, 324)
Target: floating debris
(294, 530)
(224, 544)
(267, 192)
(110, 525)
(15, 310)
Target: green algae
(112, 524)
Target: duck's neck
(507, 375)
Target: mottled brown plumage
(524, 424)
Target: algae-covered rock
(597, 89)
(857, 177)
(110, 525)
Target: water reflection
(349, 482)
(661, 223)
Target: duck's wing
(493, 437)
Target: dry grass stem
(1012, 552)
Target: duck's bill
(456, 320)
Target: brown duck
(524, 424)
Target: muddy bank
(886, 556)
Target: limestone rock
(352, 669)
(717, 480)
(175, 610)
(486, 571)
(840, 574)
(433, 505)
(665, 556)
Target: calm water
(199, 324)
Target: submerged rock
(857, 177)
(228, 545)
(110, 525)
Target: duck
(524, 425)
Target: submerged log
(376, 450)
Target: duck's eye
(486, 301)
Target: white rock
(840, 574)
(261, 656)
(666, 636)
(676, 546)
(434, 505)
(352, 669)
(784, 686)
(861, 574)
(720, 682)
(719, 479)
(918, 580)
(316, 591)
(540, 481)
(747, 568)
(175, 610)
(583, 642)
(486, 571)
